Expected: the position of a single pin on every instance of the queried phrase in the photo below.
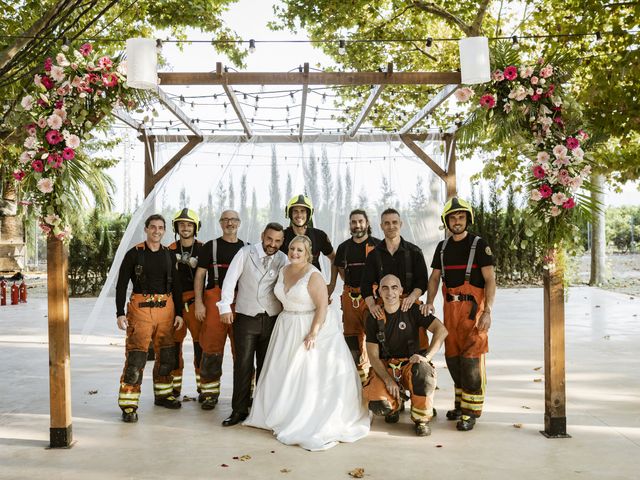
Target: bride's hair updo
(306, 241)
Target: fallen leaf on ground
(244, 458)
(517, 425)
(525, 407)
(357, 472)
(537, 368)
(607, 337)
(224, 465)
(186, 398)
(285, 470)
(438, 446)
(273, 451)
(537, 380)
(93, 392)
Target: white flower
(73, 141)
(52, 219)
(543, 157)
(37, 80)
(463, 94)
(558, 198)
(519, 93)
(62, 60)
(25, 158)
(555, 211)
(575, 183)
(560, 151)
(45, 185)
(578, 153)
(54, 121)
(122, 68)
(536, 196)
(27, 102)
(57, 73)
(586, 171)
(507, 107)
(525, 72)
(542, 81)
(31, 143)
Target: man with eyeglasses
(216, 255)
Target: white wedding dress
(310, 398)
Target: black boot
(170, 402)
(129, 415)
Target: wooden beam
(186, 149)
(238, 109)
(440, 97)
(149, 162)
(127, 119)
(60, 431)
(422, 155)
(314, 78)
(450, 165)
(373, 96)
(173, 108)
(303, 105)
(555, 400)
(274, 138)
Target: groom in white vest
(254, 270)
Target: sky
(249, 19)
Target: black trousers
(251, 337)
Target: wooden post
(60, 433)
(149, 164)
(555, 401)
(450, 165)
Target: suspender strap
(444, 245)
(408, 271)
(169, 262)
(381, 337)
(214, 261)
(139, 269)
(472, 256)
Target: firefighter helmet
(186, 215)
(299, 201)
(457, 205)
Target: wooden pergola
(555, 416)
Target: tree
(310, 171)
(387, 197)
(348, 191)
(221, 198)
(232, 193)
(184, 198)
(288, 189)
(274, 188)
(254, 227)
(327, 203)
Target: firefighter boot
(380, 407)
(129, 415)
(454, 414)
(209, 401)
(423, 429)
(465, 423)
(170, 402)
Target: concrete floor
(603, 391)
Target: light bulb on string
(342, 47)
(428, 44)
(514, 42)
(324, 98)
(252, 46)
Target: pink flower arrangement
(545, 191)
(37, 166)
(497, 76)
(19, 175)
(85, 49)
(68, 153)
(53, 137)
(572, 143)
(510, 73)
(487, 101)
(569, 204)
(45, 185)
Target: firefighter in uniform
(186, 225)
(394, 255)
(465, 263)
(349, 263)
(397, 361)
(151, 317)
(216, 255)
(299, 211)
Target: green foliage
(91, 250)
(623, 228)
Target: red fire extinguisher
(23, 292)
(15, 294)
(3, 292)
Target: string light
(342, 47)
(429, 43)
(598, 36)
(252, 46)
(514, 42)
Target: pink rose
(526, 72)
(42, 122)
(558, 198)
(57, 73)
(555, 211)
(45, 228)
(569, 204)
(19, 175)
(53, 137)
(110, 80)
(545, 191)
(105, 63)
(546, 72)
(462, 94)
(30, 128)
(535, 97)
(535, 195)
(560, 151)
(487, 101)
(37, 166)
(498, 76)
(534, 80)
(510, 73)
(538, 172)
(582, 135)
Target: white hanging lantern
(475, 65)
(142, 63)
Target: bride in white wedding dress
(309, 391)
